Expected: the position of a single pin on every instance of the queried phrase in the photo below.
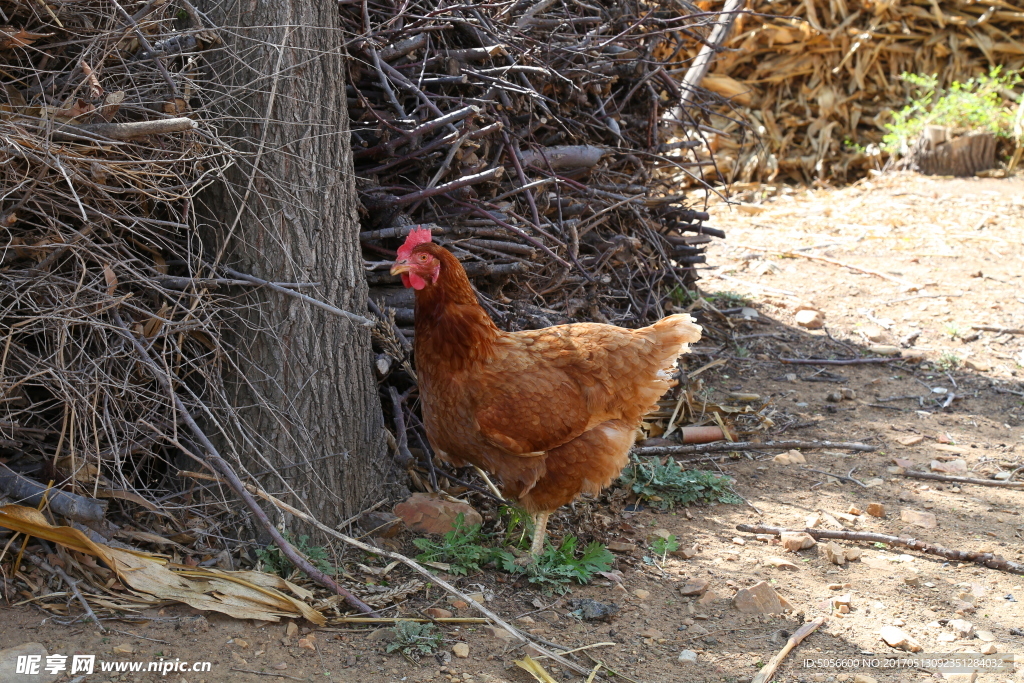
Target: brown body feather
(552, 412)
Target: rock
(426, 514)
(962, 628)
(985, 636)
(911, 440)
(874, 334)
(781, 563)
(873, 482)
(707, 599)
(280, 666)
(380, 524)
(912, 581)
(686, 553)
(810, 319)
(989, 649)
(834, 553)
(976, 365)
(437, 613)
(124, 649)
(460, 604)
(687, 657)
(925, 520)
(499, 633)
(797, 541)
(642, 594)
(526, 621)
(592, 610)
(652, 633)
(845, 600)
(862, 678)
(460, 650)
(291, 629)
(896, 638)
(308, 643)
(961, 677)
(884, 350)
(876, 510)
(853, 554)
(694, 587)
(955, 467)
(790, 458)
(621, 547)
(663, 534)
(760, 598)
(240, 643)
(736, 540)
(36, 671)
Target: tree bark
(309, 417)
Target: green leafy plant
(556, 568)
(664, 546)
(953, 330)
(669, 485)
(461, 548)
(413, 639)
(274, 561)
(975, 105)
(948, 361)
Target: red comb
(416, 237)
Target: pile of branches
(541, 141)
(817, 82)
(105, 300)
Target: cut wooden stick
(998, 330)
(123, 131)
(722, 446)
(395, 620)
(27, 492)
(990, 560)
(837, 361)
(766, 673)
(366, 322)
(963, 480)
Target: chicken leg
(540, 527)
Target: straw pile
(817, 80)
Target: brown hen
(552, 413)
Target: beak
(400, 267)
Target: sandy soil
(959, 244)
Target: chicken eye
(422, 258)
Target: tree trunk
(309, 417)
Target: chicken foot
(540, 528)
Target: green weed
(664, 546)
(976, 105)
(556, 568)
(462, 548)
(948, 361)
(669, 485)
(726, 299)
(953, 330)
(274, 561)
(413, 639)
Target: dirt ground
(947, 254)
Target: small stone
(124, 649)
(781, 563)
(621, 547)
(694, 587)
(843, 609)
(840, 600)
(962, 628)
(834, 553)
(652, 633)
(526, 620)
(240, 643)
(797, 541)
(686, 553)
(884, 350)
(976, 365)
(308, 643)
(985, 636)
(738, 541)
(853, 554)
(642, 594)
(896, 638)
(955, 467)
(291, 629)
(874, 482)
(437, 613)
(790, 458)
(911, 440)
(876, 510)
(499, 633)
(460, 604)
(9, 663)
(912, 581)
(989, 649)
(810, 319)
(707, 599)
(280, 666)
(961, 677)
(687, 657)
(863, 678)
(663, 534)
(925, 520)
(848, 393)
(760, 598)
(428, 514)
(460, 650)
(854, 510)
